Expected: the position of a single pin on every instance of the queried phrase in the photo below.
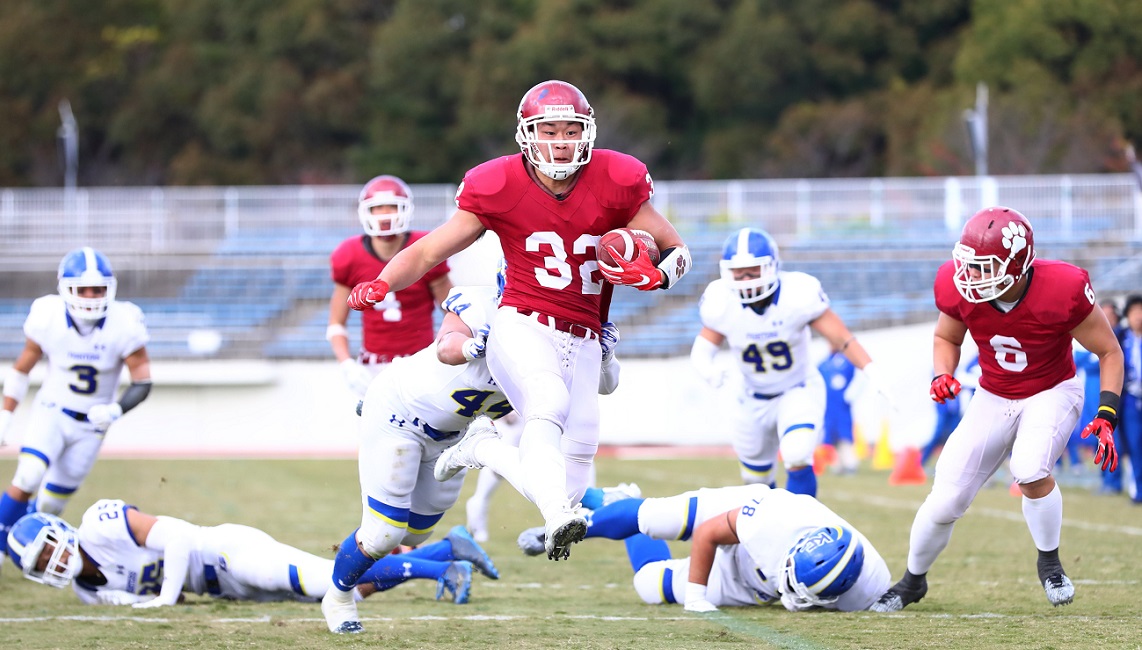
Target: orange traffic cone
(908, 470)
(824, 456)
(1015, 490)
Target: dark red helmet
(995, 250)
(554, 101)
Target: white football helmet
(86, 267)
(26, 541)
(554, 101)
(385, 190)
(748, 248)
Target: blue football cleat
(464, 547)
(457, 579)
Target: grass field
(984, 593)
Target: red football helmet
(554, 101)
(385, 190)
(995, 250)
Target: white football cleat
(477, 511)
(561, 532)
(340, 612)
(532, 541)
(1060, 590)
(620, 492)
(460, 455)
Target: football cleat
(561, 532)
(532, 541)
(900, 596)
(1060, 590)
(460, 455)
(457, 579)
(464, 547)
(595, 498)
(340, 612)
(477, 511)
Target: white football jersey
(83, 370)
(773, 523)
(127, 565)
(771, 349)
(449, 397)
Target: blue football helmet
(824, 564)
(86, 267)
(27, 539)
(751, 248)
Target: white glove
(609, 339)
(102, 415)
(356, 376)
(5, 422)
(152, 603)
(878, 383)
(717, 378)
(696, 599)
(474, 347)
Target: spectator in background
(839, 373)
(401, 324)
(1131, 415)
(1112, 481)
(86, 337)
(766, 317)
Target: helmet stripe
(840, 566)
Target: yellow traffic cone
(883, 458)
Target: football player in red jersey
(401, 324)
(549, 205)
(1023, 314)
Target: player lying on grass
(122, 556)
(749, 545)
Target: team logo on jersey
(1014, 238)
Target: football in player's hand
(623, 241)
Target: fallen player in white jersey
(122, 556)
(749, 545)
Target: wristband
(1108, 408)
(335, 329)
(675, 263)
(16, 384)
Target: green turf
(983, 589)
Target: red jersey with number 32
(550, 243)
(1028, 349)
(401, 324)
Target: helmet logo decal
(1014, 238)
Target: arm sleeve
(175, 538)
(609, 377)
(702, 356)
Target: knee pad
(667, 517)
(653, 582)
(379, 536)
(945, 506)
(798, 445)
(547, 398)
(1027, 470)
(30, 472)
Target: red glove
(944, 388)
(1106, 455)
(639, 273)
(366, 294)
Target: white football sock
(1045, 519)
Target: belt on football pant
(372, 358)
(764, 396)
(433, 432)
(75, 415)
(560, 325)
(213, 587)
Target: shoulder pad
(488, 188)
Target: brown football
(623, 241)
